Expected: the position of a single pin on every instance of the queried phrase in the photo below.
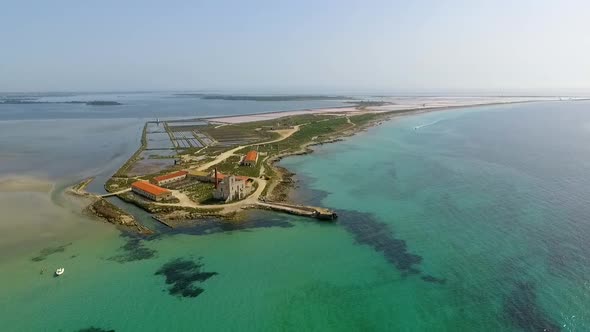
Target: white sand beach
(393, 104)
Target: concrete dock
(162, 221)
(300, 210)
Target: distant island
(34, 101)
(102, 103)
(369, 103)
(263, 98)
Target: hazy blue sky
(296, 46)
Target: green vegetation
(122, 171)
(313, 128)
(232, 166)
(250, 171)
(368, 103)
(363, 119)
(238, 134)
(200, 192)
(229, 166)
(118, 183)
(150, 177)
(111, 213)
(164, 209)
(317, 128)
(173, 200)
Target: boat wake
(427, 124)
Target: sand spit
(276, 115)
(391, 104)
(25, 184)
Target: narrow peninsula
(186, 170)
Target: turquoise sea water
(463, 220)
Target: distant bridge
(116, 193)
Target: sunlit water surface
(464, 220)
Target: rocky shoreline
(100, 208)
(108, 212)
(280, 179)
(280, 189)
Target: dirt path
(285, 133)
(116, 192)
(185, 201)
(350, 122)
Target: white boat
(59, 271)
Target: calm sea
(462, 220)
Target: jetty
(300, 210)
(162, 221)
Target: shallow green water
(474, 221)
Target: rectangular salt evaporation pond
(195, 143)
(181, 143)
(186, 123)
(178, 134)
(187, 143)
(203, 138)
(206, 140)
(152, 161)
(155, 128)
(186, 136)
(158, 141)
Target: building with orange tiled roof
(199, 175)
(169, 178)
(250, 159)
(220, 176)
(150, 191)
(247, 180)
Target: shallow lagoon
(475, 221)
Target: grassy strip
(200, 192)
(122, 171)
(163, 209)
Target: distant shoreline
(285, 174)
(387, 107)
(277, 187)
(35, 102)
(263, 98)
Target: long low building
(169, 178)
(150, 191)
(200, 175)
(250, 159)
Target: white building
(150, 191)
(169, 178)
(230, 189)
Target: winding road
(185, 201)
(285, 133)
